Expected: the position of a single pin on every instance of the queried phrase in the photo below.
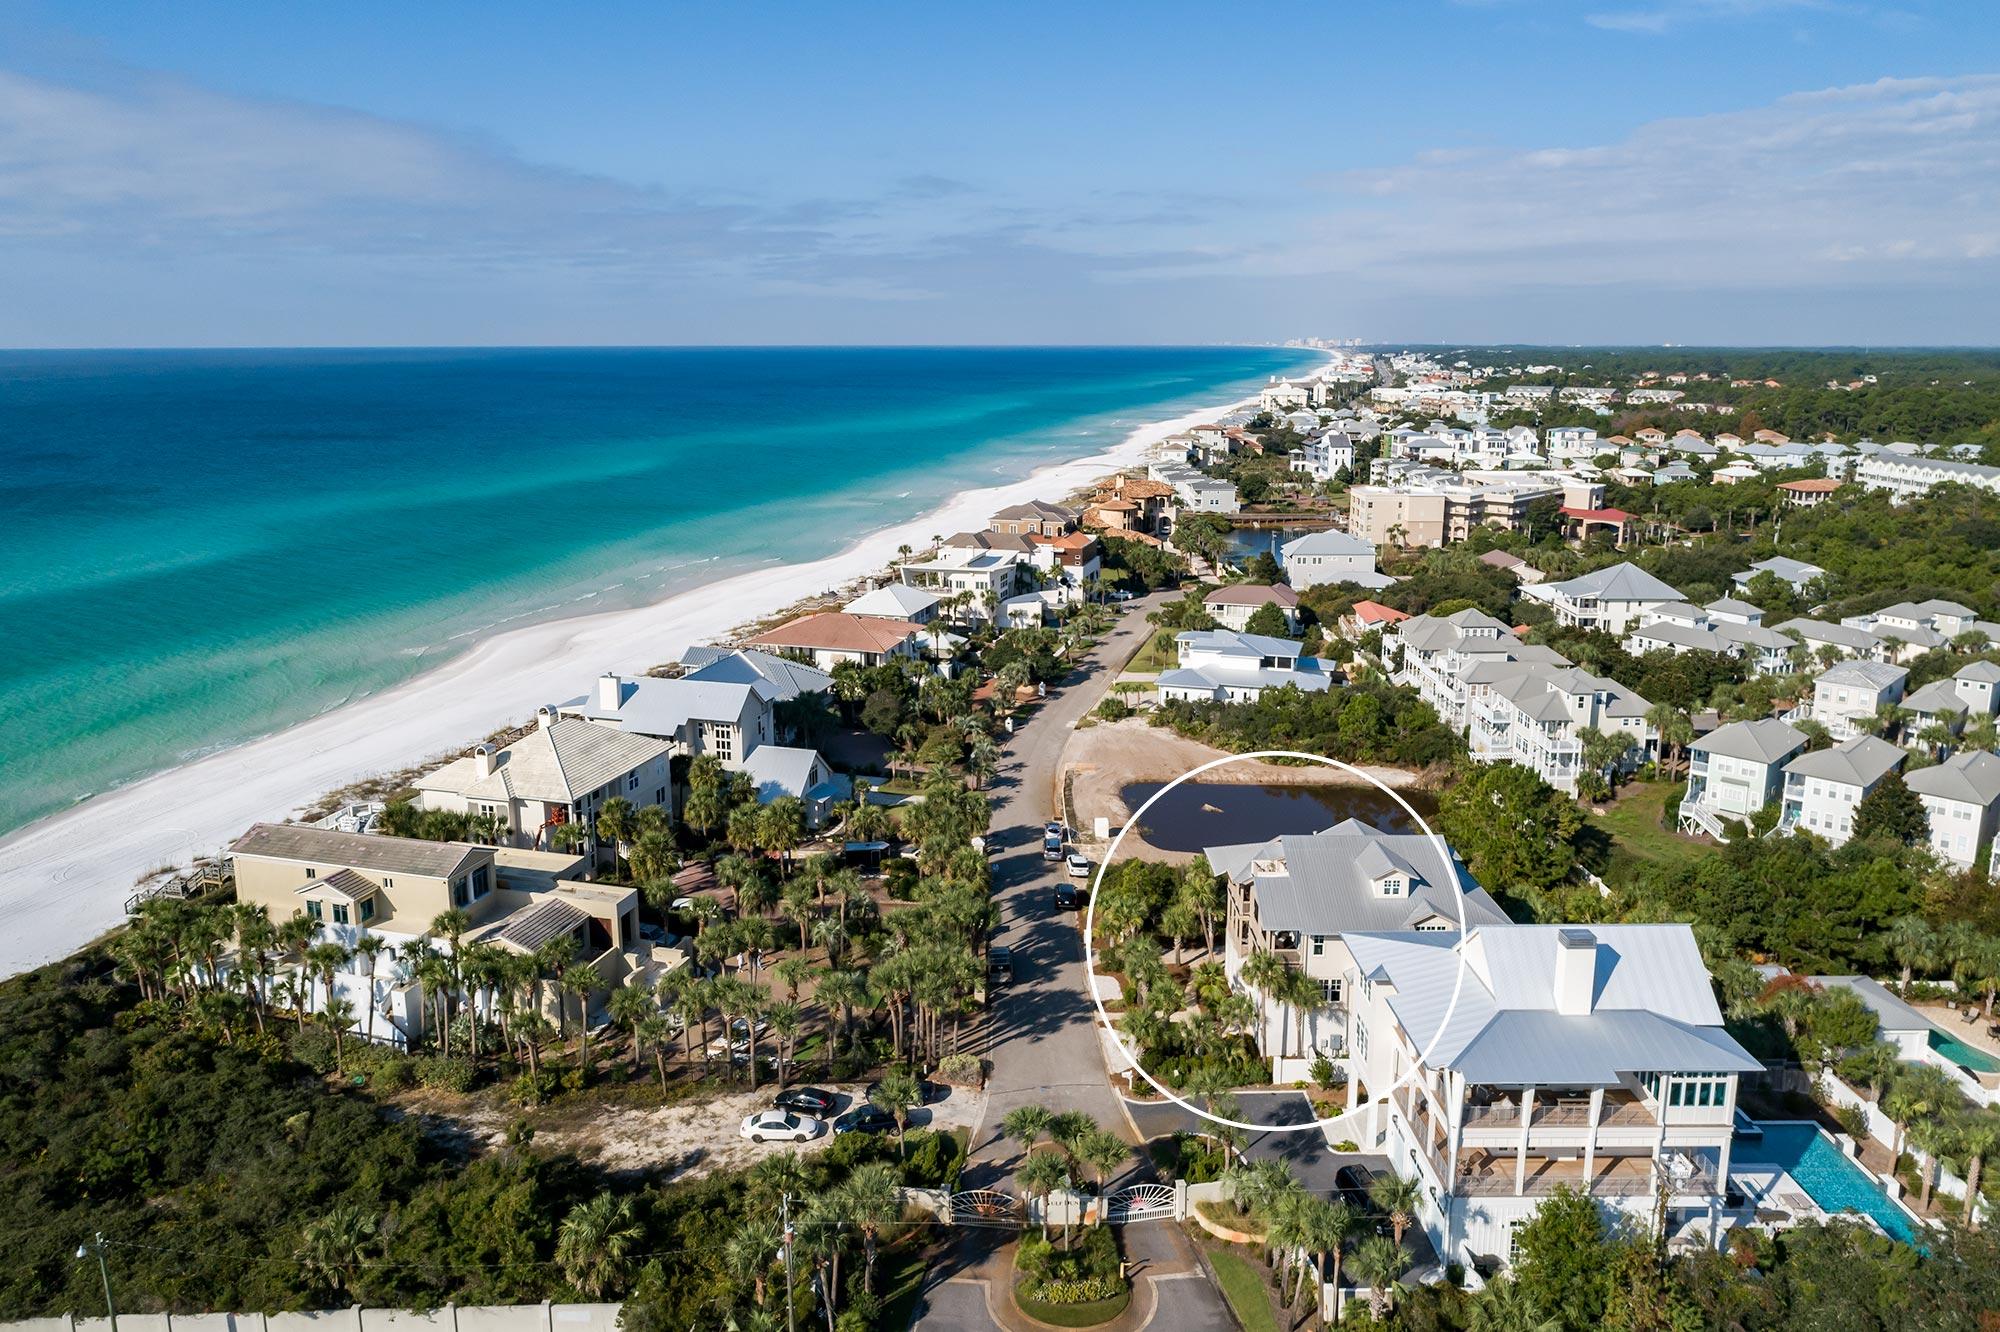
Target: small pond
(1199, 814)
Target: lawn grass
(1072, 1315)
(902, 1279)
(1637, 840)
(1153, 655)
(1243, 1287)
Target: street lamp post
(96, 1246)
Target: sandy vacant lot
(1100, 760)
(687, 1141)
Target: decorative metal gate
(987, 1207)
(1141, 1202)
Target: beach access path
(64, 879)
(1042, 1039)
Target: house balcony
(1495, 1174)
(1620, 1110)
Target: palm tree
(750, 1252)
(614, 825)
(1264, 972)
(580, 981)
(1380, 1262)
(846, 991)
(1039, 1176)
(1504, 1307)
(1397, 1196)
(654, 1030)
(1913, 943)
(1026, 1125)
(630, 1006)
(1329, 1225)
(334, 1246)
(787, 1020)
(872, 1199)
(593, 1242)
(1978, 1135)
(1675, 728)
(368, 948)
(1919, 1091)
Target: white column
(1455, 1082)
(1521, 1147)
(1590, 1139)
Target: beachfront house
(355, 886)
(974, 579)
(1330, 557)
(1035, 518)
(1593, 1058)
(1962, 797)
(725, 706)
(788, 770)
(1221, 666)
(1296, 897)
(1231, 606)
(561, 772)
(1736, 770)
(1823, 789)
(897, 601)
(1609, 599)
(827, 638)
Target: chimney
(610, 691)
(545, 716)
(482, 761)
(1576, 971)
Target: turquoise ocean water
(197, 548)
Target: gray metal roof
(1939, 696)
(1652, 1008)
(1618, 582)
(1862, 761)
(558, 762)
(546, 920)
(1792, 571)
(1821, 631)
(1329, 542)
(1971, 775)
(365, 851)
(1327, 886)
(1875, 675)
(1764, 740)
(776, 678)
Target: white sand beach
(64, 879)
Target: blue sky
(1518, 170)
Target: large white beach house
(1588, 1057)
(1611, 599)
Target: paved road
(1041, 1033)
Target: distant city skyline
(1486, 172)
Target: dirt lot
(687, 1140)
(1103, 759)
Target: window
(388, 882)
(1330, 989)
(459, 896)
(340, 913)
(632, 781)
(660, 796)
(311, 873)
(1319, 945)
(1361, 1039)
(313, 910)
(367, 909)
(482, 882)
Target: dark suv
(1000, 964)
(812, 1101)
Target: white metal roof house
(1219, 665)
(1593, 1058)
(1534, 714)
(1295, 896)
(1823, 789)
(1610, 599)
(897, 601)
(1847, 695)
(1797, 573)
(1962, 797)
(786, 770)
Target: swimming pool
(1829, 1178)
(1965, 1056)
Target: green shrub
(1114, 709)
(534, 1088)
(960, 1070)
(313, 1047)
(933, 1159)
(394, 1075)
(442, 1074)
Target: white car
(1079, 868)
(780, 1126)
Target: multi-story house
(1847, 696)
(561, 772)
(1522, 1058)
(1226, 667)
(1231, 606)
(1728, 628)
(1296, 896)
(1796, 573)
(1194, 491)
(1534, 714)
(897, 601)
(1035, 518)
(983, 577)
(1330, 557)
(1962, 797)
(356, 885)
(1823, 640)
(1950, 703)
(1610, 599)
(1573, 443)
(1324, 456)
(1434, 653)
(1737, 769)
(1823, 789)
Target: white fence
(449, 1318)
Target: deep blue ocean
(197, 548)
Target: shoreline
(64, 878)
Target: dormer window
(1392, 886)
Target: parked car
(1353, 1182)
(1078, 866)
(815, 1101)
(1070, 898)
(1052, 847)
(1054, 828)
(1000, 964)
(865, 1119)
(780, 1126)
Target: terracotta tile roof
(1818, 485)
(1252, 594)
(837, 631)
(1374, 612)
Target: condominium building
(1534, 714)
(1413, 507)
(1433, 654)
(1905, 478)
(1518, 1059)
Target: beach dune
(64, 879)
